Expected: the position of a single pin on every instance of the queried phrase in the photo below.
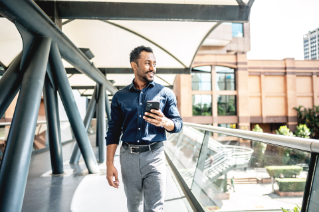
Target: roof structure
(174, 29)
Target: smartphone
(151, 105)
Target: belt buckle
(134, 147)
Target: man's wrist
(109, 163)
(169, 125)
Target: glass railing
(234, 170)
(41, 134)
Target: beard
(146, 79)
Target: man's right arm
(111, 170)
(112, 141)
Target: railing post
(199, 171)
(311, 178)
(51, 112)
(72, 111)
(76, 154)
(16, 160)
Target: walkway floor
(77, 191)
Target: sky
(277, 28)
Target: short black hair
(135, 53)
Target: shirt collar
(131, 86)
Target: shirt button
(139, 128)
(140, 103)
(140, 115)
(141, 92)
(138, 140)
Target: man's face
(146, 67)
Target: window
(202, 78)
(202, 105)
(225, 78)
(238, 30)
(226, 105)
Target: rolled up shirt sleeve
(115, 124)
(171, 112)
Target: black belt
(142, 148)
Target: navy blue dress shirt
(127, 111)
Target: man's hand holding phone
(159, 120)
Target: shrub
(258, 129)
(302, 131)
(296, 209)
(286, 171)
(309, 117)
(284, 130)
(291, 184)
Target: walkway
(77, 191)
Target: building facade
(228, 90)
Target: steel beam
(71, 109)
(101, 124)
(76, 154)
(147, 12)
(31, 17)
(10, 84)
(51, 112)
(17, 156)
(130, 71)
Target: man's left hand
(159, 120)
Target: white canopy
(175, 43)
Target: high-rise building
(310, 43)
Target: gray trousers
(144, 179)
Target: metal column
(16, 160)
(76, 154)
(97, 123)
(107, 107)
(52, 116)
(72, 111)
(10, 84)
(101, 124)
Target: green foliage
(309, 117)
(296, 209)
(221, 111)
(286, 171)
(284, 130)
(291, 184)
(303, 131)
(258, 129)
(197, 110)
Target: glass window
(201, 78)
(202, 105)
(225, 78)
(238, 30)
(226, 105)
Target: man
(142, 153)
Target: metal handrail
(309, 145)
